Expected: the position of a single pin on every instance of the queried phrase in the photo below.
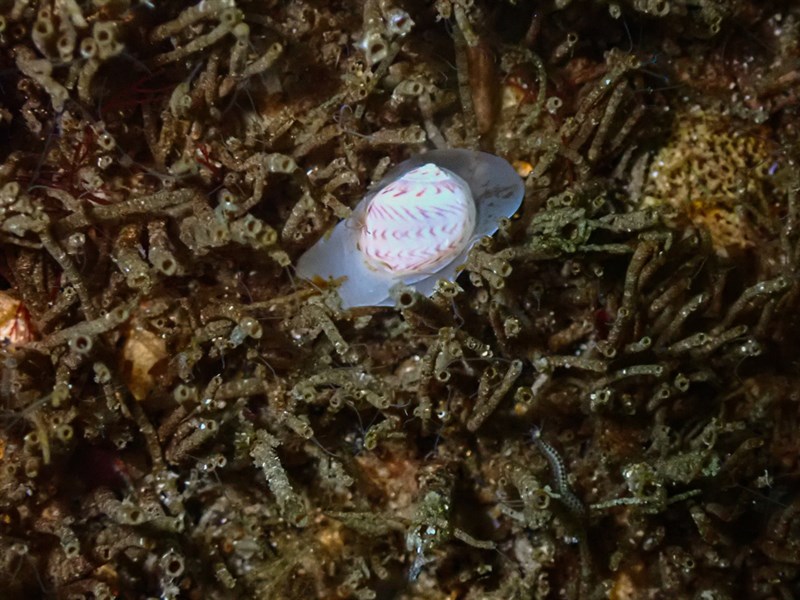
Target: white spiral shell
(416, 227)
(418, 223)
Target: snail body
(416, 226)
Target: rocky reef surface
(605, 404)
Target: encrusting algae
(599, 402)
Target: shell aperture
(403, 231)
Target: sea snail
(416, 226)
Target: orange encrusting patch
(710, 173)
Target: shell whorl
(418, 223)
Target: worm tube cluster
(603, 404)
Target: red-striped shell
(416, 226)
(418, 223)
